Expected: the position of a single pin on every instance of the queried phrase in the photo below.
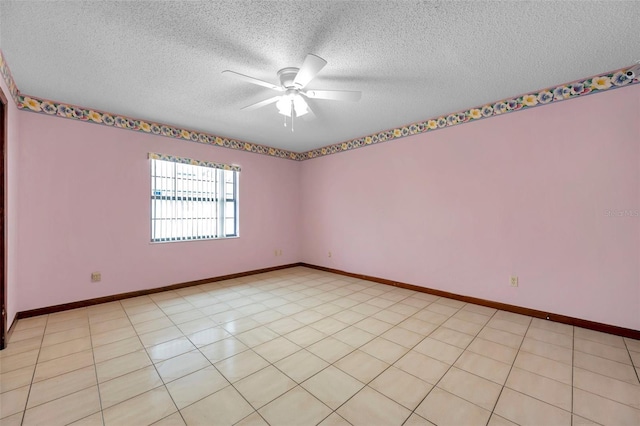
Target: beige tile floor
(303, 347)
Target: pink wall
(462, 209)
(459, 209)
(11, 206)
(84, 206)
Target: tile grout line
(633, 365)
(605, 397)
(435, 384)
(273, 365)
(33, 376)
(355, 349)
(199, 351)
(284, 373)
(95, 365)
(330, 364)
(174, 323)
(154, 367)
(412, 348)
(573, 387)
(212, 365)
(300, 291)
(509, 373)
(58, 375)
(452, 364)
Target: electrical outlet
(329, 254)
(280, 252)
(275, 252)
(96, 277)
(514, 281)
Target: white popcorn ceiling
(412, 60)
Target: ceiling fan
(292, 102)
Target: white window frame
(192, 200)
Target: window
(192, 200)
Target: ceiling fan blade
(310, 68)
(254, 80)
(334, 95)
(261, 103)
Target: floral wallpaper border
(59, 109)
(184, 160)
(600, 83)
(591, 85)
(34, 104)
(8, 78)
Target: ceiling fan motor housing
(287, 75)
(293, 80)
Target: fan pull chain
(292, 112)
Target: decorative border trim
(59, 109)
(596, 84)
(44, 106)
(8, 78)
(591, 85)
(184, 160)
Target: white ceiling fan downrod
(292, 82)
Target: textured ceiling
(162, 61)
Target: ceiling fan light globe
(284, 106)
(299, 105)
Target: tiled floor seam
(601, 396)
(450, 366)
(390, 365)
(633, 365)
(378, 335)
(509, 373)
(547, 343)
(243, 397)
(605, 358)
(95, 369)
(155, 368)
(270, 364)
(249, 415)
(212, 364)
(370, 381)
(537, 399)
(179, 410)
(26, 402)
